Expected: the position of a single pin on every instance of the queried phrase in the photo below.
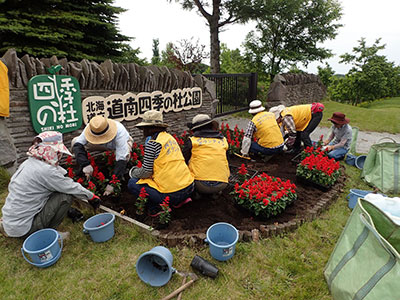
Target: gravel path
(364, 141)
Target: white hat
(256, 107)
(152, 118)
(201, 120)
(277, 110)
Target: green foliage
(371, 76)
(73, 29)
(232, 61)
(326, 74)
(4, 179)
(155, 60)
(289, 32)
(130, 55)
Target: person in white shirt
(39, 193)
(103, 134)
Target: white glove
(88, 171)
(109, 190)
(246, 143)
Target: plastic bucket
(354, 195)
(43, 248)
(222, 238)
(350, 159)
(100, 227)
(155, 266)
(360, 160)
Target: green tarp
(382, 167)
(365, 263)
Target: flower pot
(308, 182)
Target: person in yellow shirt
(298, 122)
(265, 129)
(206, 155)
(164, 172)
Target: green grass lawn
(277, 268)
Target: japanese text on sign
(131, 106)
(54, 103)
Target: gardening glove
(88, 171)
(109, 190)
(95, 202)
(290, 141)
(245, 146)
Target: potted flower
(318, 170)
(165, 214)
(141, 201)
(116, 184)
(264, 195)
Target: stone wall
(291, 89)
(95, 79)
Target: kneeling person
(164, 172)
(205, 153)
(338, 143)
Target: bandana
(48, 150)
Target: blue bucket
(100, 227)
(154, 267)
(360, 160)
(354, 195)
(350, 159)
(222, 238)
(43, 248)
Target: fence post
(253, 87)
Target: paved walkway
(364, 141)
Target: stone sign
(131, 106)
(55, 103)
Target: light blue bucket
(43, 248)
(100, 227)
(222, 238)
(154, 267)
(360, 160)
(355, 194)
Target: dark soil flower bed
(194, 218)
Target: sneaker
(64, 235)
(183, 203)
(2, 231)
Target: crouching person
(206, 155)
(164, 172)
(39, 193)
(339, 141)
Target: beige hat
(100, 130)
(152, 118)
(200, 120)
(256, 107)
(276, 110)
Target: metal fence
(234, 91)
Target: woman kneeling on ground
(206, 155)
(164, 172)
(39, 193)
(338, 143)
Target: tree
(325, 74)
(371, 76)
(74, 29)
(187, 56)
(155, 60)
(223, 12)
(289, 32)
(232, 61)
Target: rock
(10, 59)
(29, 66)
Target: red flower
(242, 170)
(143, 193)
(114, 179)
(100, 176)
(165, 203)
(80, 180)
(71, 173)
(91, 186)
(139, 164)
(69, 160)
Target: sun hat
(339, 118)
(100, 130)
(256, 107)
(54, 139)
(152, 118)
(276, 110)
(201, 120)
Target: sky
(146, 20)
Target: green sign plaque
(55, 103)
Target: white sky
(146, 20)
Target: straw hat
(276, 110)
(100, 130)
(339, 118)
(54, 139)
(200, 120)
(152, 118)
(256, 107)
